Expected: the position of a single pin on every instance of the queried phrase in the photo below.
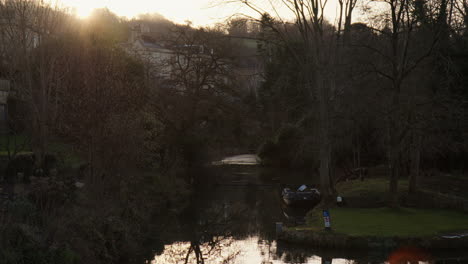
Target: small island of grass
(390, 222)
(376, 225)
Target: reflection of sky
(247, 251)
(242, 210)
(239, 251)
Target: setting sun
(201, 12)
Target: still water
(232, 219)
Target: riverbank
(383, 227)
(364, 222)
(323, 239)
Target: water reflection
(232, 220)
(245, 159)
(251, 250)
(221, 250)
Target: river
(232, 219)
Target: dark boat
(302, 197)
(293, 214)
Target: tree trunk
(415, 163)
(394, 157)
(394, 176)
(325, 151)
(332, 175)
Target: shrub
(51, 192)
(290, 148)
(267, 151)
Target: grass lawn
(5, 153)
(21, 143)
(369, 188)
(403, 222)
(66, 153)
(18, 142)
(370, 193)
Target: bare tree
(31, 31)
(318, 59)
(403, 47)
(103, 95)
(195, 99)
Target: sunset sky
(200, 12)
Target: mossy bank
(323, 239)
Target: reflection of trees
(209, 236)
(217, 250)
(294, 257)
(267, 250)
(292, 254)
(296, 254)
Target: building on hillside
(244, 70)
(154, 55)
(249, 64)
(165, 62)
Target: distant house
(146, 49)
(165, 61)
(249, 63)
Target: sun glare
(197, 11)
(83, 11)
(200, 12)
